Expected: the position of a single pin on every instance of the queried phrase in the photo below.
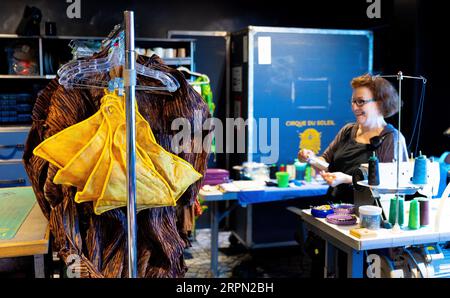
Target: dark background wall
(408, 37)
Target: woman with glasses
(373, 99)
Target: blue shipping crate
(300, 78)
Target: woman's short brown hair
(382, 91)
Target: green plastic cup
(283, 179)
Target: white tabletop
(217, 195)
(385, 237)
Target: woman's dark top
(345, 155)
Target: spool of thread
(374, 178)
(140, 51)
(181, 52)
(420, 170)
(169, 53)
(149, 52)
(282, 168)
(424, 206)
(393, 211)
(414, 215)
(159, 52)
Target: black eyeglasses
(360, 102)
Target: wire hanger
(79, 73)
(193, 73)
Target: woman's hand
(336, 178)
(304, 154)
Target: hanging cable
(418, 120)
(420, 123)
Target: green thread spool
(414, 218)
(393, 211)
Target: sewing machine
(365, 194)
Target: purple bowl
(341, 219)
(344, 208)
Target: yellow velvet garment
(91, 155)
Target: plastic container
(370, 217)
(341, 219)
(282, 179)
(300, 169)
(344, 208)
(321, 211)
(252, 171)
(291, 170)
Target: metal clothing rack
(129, 77)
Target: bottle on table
(291, 170)
(272, 170)
(308, 173)
(374, 177)
(299, 170)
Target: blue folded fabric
(270, 194)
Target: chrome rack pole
(397, 195)
(129, 75)
(400, 78)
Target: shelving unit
(47, 54)
(18, 92)
(37, 77)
